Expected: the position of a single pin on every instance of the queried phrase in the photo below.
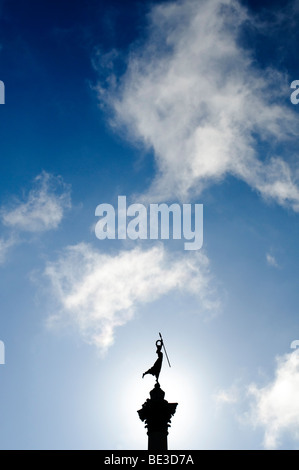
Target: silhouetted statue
(155, 370)
(156, 412)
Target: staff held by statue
(156, 368)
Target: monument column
(156, 412)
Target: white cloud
(276, 405)
(99, 292)
(4, 247)
(228, 396)
(271, 260)
(42, 209)
(193, 95)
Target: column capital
(156, 412)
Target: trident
(164, 349)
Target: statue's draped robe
(155, 370)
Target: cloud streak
(276, 406)
(273, 406)
(195, 97)
(5, 245)
(42, 209)
(271, 260)
(98, 292)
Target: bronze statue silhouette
(156, 368)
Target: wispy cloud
(99, 292)
(228, 396)
(196, 97)
(42, 209)
(271, 260)
(273, 407)
(5, 244)
(276, 405)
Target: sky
(186, 102)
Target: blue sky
(177, 102)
